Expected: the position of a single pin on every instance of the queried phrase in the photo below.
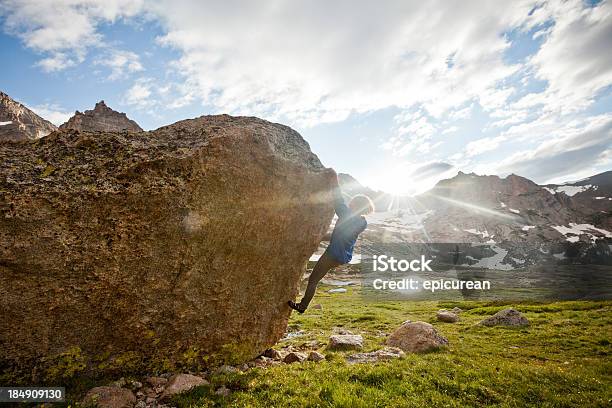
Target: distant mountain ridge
(531, 223)
(19, 123)
(101, 119)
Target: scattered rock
(223, 391)
(119, 383)
(506, 317)
(341, 330)
(167, 198)
(456, 310)
(110, 397)
(315, 356)
(262, 362)
(337, 290)
(156, 381)
(136, 385)
(226, 369)
(446, 316)
(310, 345)
(180, 383)
(294, 357)
(273, 354)
(318, 306)
(141, 404)
(386, 353)
(345, 342)
(416, 337)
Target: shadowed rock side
(154, 250)
(101, 118)
(19, 123)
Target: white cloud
(574, 147)
(139, 94)
(52, 112)
(56, 62)
(120, 62)
(62, 30)
(575, 58)
(483, 145)
(355, 56)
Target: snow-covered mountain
(521, 220)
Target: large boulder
(176, 247)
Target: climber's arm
(340, 206)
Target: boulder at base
(416, 337)
(154, 250)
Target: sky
(399, 94)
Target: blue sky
(398, 94)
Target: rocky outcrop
(19, 123)
(506, 317)
(416, 337)
(176, 247)
(101, 119)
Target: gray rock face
(101, 119)
(19, 123)
(506, 317)
(170, 247)
(345, 342)
(416, 337)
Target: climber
(350, 223)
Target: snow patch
(514, 211)
(474, 231)
(571, 190)
(495, 261)
(573, 231)
(6, 123)
(527, 227)
(503, 205)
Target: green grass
(561, 360)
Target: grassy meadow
(561, 360)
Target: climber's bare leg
(323, 265)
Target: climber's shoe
(296, 306)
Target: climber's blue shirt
(347, 229)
